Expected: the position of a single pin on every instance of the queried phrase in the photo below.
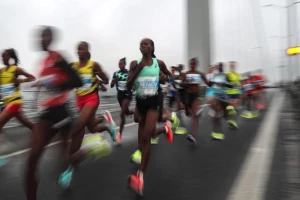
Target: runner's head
(10, 54)
(180, 67)
(122, 64)
(48, 34)
(147, 47)
(193, 63)
(83, 51)
(173, 69)
(220, 67)
(232, 66)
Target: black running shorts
(58, 115)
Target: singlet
(53, 97)
(193, 79)
(219, 79)
(257, 81)
(88, 78)
(171, 92)
(234, 78)
(147, 81)
(209, 76)
(247, 86)
(8, 91)
(121, 84)
(178, 81)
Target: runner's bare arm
(134, 70)
(99, 72)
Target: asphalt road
(178, 171)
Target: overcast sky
(114, 29)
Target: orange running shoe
(136, 183)
(118, 138)
(260, 106)
(169, 133)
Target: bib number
(147, 86)
(7, 90)
(248, 87)
(122, 85)
(87, 82)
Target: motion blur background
(247, 31)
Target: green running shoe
(136, 157)
(247, 114)
(232, 124)
(175, 121)
(95, 146)
(217, 136)
(180, 131)
(154, 140)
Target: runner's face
(46, 39)
(82, 51)
(193, 64)
(173, 70)
(180, 68)
(145, 47)
(122, 65)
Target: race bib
(122, 85)
(218, 80)
(87, 81)
(7, 90)
(258, 82)
(177, 84)
(248, 87)
(193, 78)
(147, 86)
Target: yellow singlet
(88, 78)
(9, 92)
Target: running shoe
(3, 161)
(217, 136)
(255, 113)
(180, 131)
(232, 124)
(64, 179)
(260, 106)
(136, 183)
(230, 110)
(247, 114)
(112, 131)
(154, 140)
(109, 118)
(95, 146)
(169, 133)
(192, 139)
(175, 121)
(136, 157)
(118, 138)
